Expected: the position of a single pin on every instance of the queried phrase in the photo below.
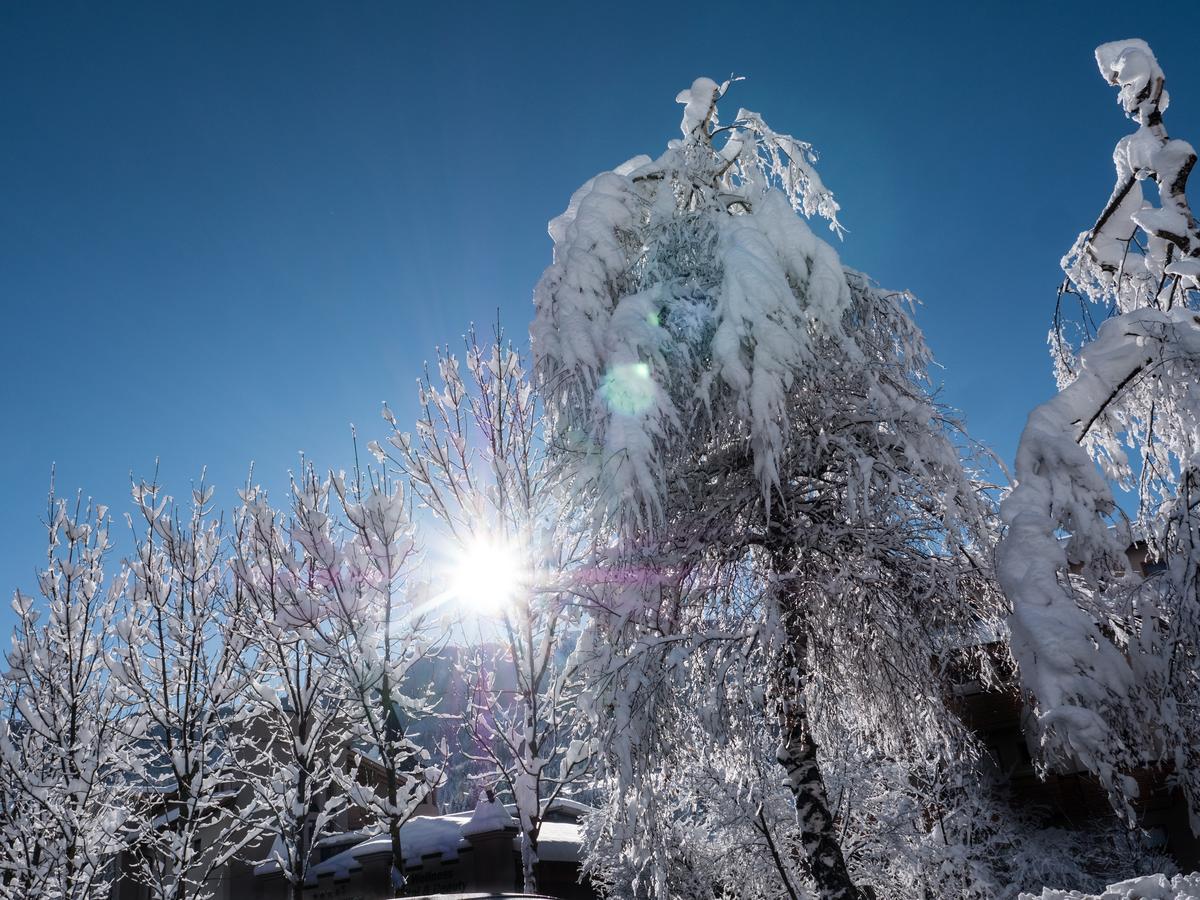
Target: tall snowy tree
(744, 410)
(179, 656)
(479, 464)
(1110, 659)
(67, 758)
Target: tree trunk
(393, 730)
(396, 875)
(798, 749)
(529, 860)
(530, 843)
(798, 756)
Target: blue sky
(229, 230)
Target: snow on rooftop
(489, 815)
(421, 836)
(570, 807)
(559, 842)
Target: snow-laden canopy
(685, 292)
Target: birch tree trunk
(798, 749)
(798, 756)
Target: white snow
(489, 815)
(1147, 887)
(699, 102)
(446, 835)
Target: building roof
(421, 836)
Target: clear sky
(228, 230)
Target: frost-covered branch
(1101, 262)
(1083, 682)
(297, 734)
(375, 624)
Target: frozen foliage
(284, 564)
(800, 546)
(158, 724)
(1087, 686)
(710, 818)
(1138, 256)
(478, 463)
(336, 626)
(1111, 660)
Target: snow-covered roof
(489, 815)
(570, 807)
(420, 836)
(558, 841)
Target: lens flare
(486, 576)
(628, 388)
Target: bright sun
(486, 576)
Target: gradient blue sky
(228, 230)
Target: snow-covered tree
(179, 658)
(1109, 659)
(375, 627)
(479, 464)
(297, 734)
(750, 416)
(67, 760)
(22, 869)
